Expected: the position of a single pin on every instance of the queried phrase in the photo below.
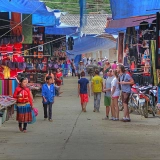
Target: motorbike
(152, 103)
(137, 101)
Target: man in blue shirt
(83, 90)
(125, 84)
(48, 94)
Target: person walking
(125, 81)
(24, 104)
(80, 69)
(106, 68)
(114, 65)
(48, 94)
(107, 90)
(115, 93)
(73, 68)
(83, 91)
(97, 86)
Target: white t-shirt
(114, 83)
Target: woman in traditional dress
(24, 104)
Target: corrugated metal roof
(95, 22)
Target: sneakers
(50, 120)
(126, 119)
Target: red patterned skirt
(24, 113)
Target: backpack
(120, 80)
(124, 75)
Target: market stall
(6, 108)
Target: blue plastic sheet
(61, 30)
(33, 118)
(129, 8)
(89, 44)
(42, 15)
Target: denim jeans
(97, 100)
(49, 108)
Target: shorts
(116, 97)
(84, 98)
(125, 97)
(107, 101)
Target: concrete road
(76, 135)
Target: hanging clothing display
(27, 28)
(16, 21)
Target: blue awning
(130, 8)
(61, 30)
(114, 31)
(41, 14)
(26, 6)
(90, 44)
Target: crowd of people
(116, 83)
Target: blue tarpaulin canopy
(114, 31)
(88, 44)
(42, 15)
(130, 8)
(62, 29)
(25, 6)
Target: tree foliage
(72, 6)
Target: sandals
(24, 131)
(20, 128)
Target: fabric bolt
(10, 87)
(83, 82)
(24, 114)
(97, 100)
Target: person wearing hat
(80, 69)
(114, 65)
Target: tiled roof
(95, 23)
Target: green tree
(72, 6)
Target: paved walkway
(76, 135)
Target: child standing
(83, 91)
(48, 94)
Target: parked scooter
(137, 102)
(151, 93)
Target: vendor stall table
(34, 87)
(6, 108)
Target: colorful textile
(27, 29)
(24, 113)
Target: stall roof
(130, 22)
(62, 29)
(130, 8)
(90, 44)
(26, 7)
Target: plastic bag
(33, 118)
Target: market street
(76, 135)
